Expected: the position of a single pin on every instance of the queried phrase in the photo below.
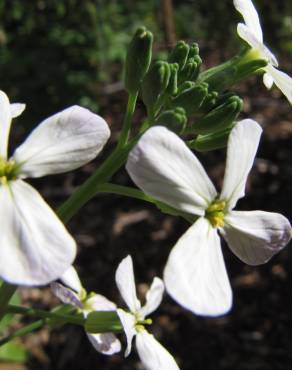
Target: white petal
(265, 53)
(152, 354)
(256, 236)
(63, 142)
(195, 274)
(282, 80)
(71, 279)
(16, 109)
(153, 297)
(106, 343)
(241, 150)
(98, 302)
(125, 281)
(35, 246)
(250, 16)
(66, 295)
(128, 322)
(165, 168)
(5, 123)
(268, 80)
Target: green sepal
(174, 119)
(191, 99)
(155, 84)
(179, 54)
(219, 118)
(138, 59)
(103, 322)
(204, 143)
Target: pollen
(215, 213)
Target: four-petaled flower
(75, 295)
(251, 32)
(35, 247)
(165, 168)
(151, 352)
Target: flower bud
(179, 54)
(194, 50)
(155, 84)
(191, 99)
(191, 70)
(138, 59)
(174, 119)
(219, 118)
(204, 143)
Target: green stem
(6, 293)
(23, 331)
(73, 319)
(124, 137)
(125, 191)
(89, 188)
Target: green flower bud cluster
(178, 96)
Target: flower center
(7, 170)
(215, 213)
(139, 326)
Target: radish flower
(251, 32)
(35, 247)
(151, 352)
(106, 343)
(165, 168)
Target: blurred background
(57, 53)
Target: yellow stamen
(215, 213)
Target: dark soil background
(256, 334)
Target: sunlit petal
(35, 246)
(256, 236)
(152, 354)
(165, 168)
(153, 297)
(63, 142)
(195, 274)
(282, 80)
(5, 123)
(128, 322)
(71, 279)
(241, 150)
(125, 281)
(250, 16)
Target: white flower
(151, 352)
(35, 247)
(195, 275)
(251, 32)
(106, 343)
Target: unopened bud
(138, 59)
(204, 143)
(219, 118)
(174, 119)
(179, 54)
(191, 99)
(155, 84)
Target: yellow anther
(215, 213)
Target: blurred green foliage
(55, 53)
